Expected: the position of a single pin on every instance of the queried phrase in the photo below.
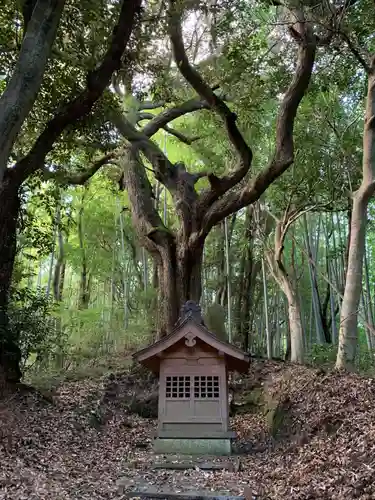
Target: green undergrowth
(92, 369)
(324, 356)
(87, 348)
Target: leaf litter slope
(84, 447)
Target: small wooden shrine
(193, 366)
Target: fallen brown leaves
(328, 450)
(84, 447)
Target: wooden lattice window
(206, 387)
(177, 387)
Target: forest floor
(304, 434)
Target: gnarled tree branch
(151, 105)
(28, 7)
(78, 178)
(163, 168)
(215, 102)
(165, 117)
(97, 81)
(147, 221)
(354, 49)
(283, 155)
(179, 135)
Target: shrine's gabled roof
(231, 352)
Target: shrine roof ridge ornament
(191, 310)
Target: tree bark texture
(295, 325)
(10, 354)
(348, 334)
(178, 257)
(295, 320)
(20, 93)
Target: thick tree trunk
(189, 273)
(169, 303)
(348, 335)
(134, 254)
(180, 256)
(180, 280)
(20, 93)
(10, 354)
(155, 274)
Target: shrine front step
(190, 465)
(191, 446)
(188, 495)
(231, 466)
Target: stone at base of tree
(134, 390)
(250, 401)
(21, 389)
(142, 445)
(127, 424)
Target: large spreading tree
(179, 253)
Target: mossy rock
(250, 402)
(146, 407)
(255, 396)
(277, 415)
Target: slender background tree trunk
(348, 335)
